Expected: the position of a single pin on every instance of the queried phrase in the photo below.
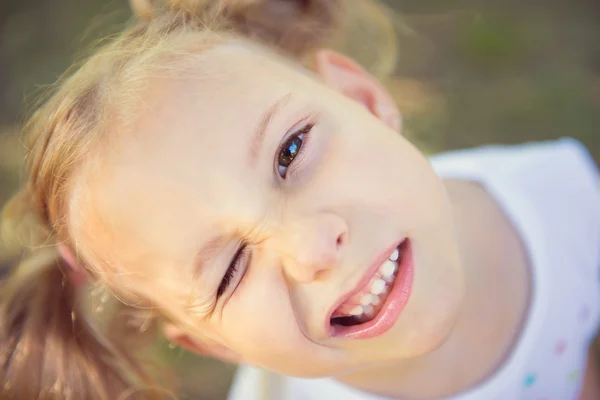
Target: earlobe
(76, 272)
(68, 257)
(216, 350)
(349, 78)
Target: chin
(425, 330)
(430, 333)
(318, 367)
(437, 302)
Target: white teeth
(365, 304)
(378, 286)
(387, 269)
(367, 299)
(356, 310)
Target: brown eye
(289, 151)
(295, 145)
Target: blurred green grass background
(470, 72)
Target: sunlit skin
(197, 176)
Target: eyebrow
(259, 133)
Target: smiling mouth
(366, 304)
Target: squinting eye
(290, 149)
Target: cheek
(386, 175)
(259, 323)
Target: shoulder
(553, 184)
(563, 179)
(562, 157)
(565, 163)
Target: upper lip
(375, 264)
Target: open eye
(290, 149)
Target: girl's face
(269, 200)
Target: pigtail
(49, 348)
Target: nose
(313, 246)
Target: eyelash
(231, 271)
(303, 134)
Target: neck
(489, 321)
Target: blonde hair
(50, 346)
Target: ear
(213, 349)
(76, 272)
(352, 80)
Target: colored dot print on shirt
(529, 380)
(561, 347)
(573, 375)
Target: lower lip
(392, 308)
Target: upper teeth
(378, 286)
(387, 269)
(367, 299)
(356, 310)
(376, 291)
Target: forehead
(208, 112)
(180, 171)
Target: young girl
(246, 191)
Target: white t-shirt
(550, 191)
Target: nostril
(341, 240)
